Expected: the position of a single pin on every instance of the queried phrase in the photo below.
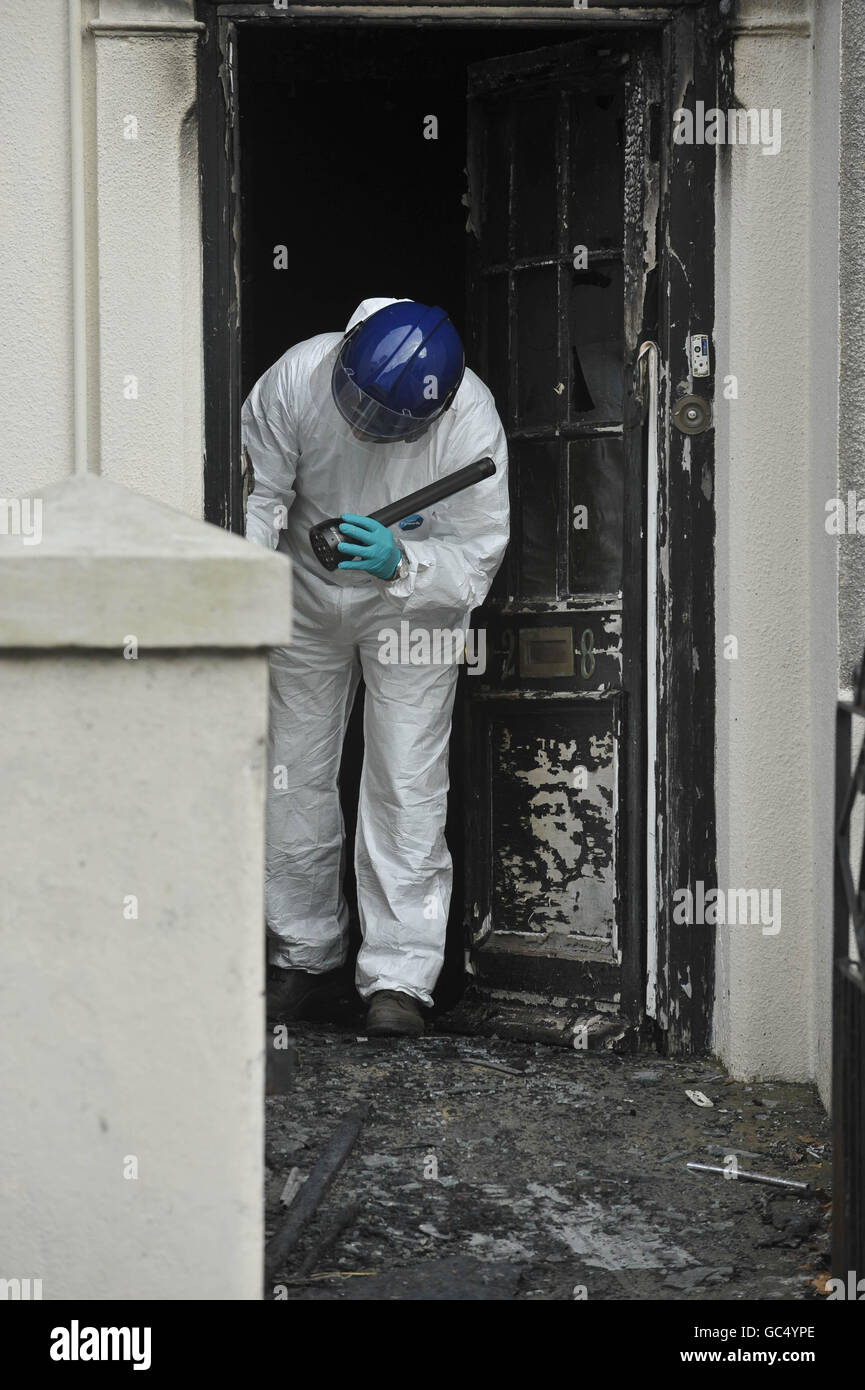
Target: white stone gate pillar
(133, 685)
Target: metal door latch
(692, 415)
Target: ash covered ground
(561, 1176)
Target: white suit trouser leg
(403, 867)
(402, 863)
(312, 689)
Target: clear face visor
(368, 416)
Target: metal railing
(848, 1000)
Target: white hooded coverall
(308, 465)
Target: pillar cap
(100, 564)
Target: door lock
(692, 415)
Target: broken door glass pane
(596, 342)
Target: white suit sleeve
(269, 436)
(455, 569)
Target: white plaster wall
(824, 403)
(127, 1037)
(142, 251)
(775, 577)
(35, 251)
(149, 267)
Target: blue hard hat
(398, 371)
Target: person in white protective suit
(341, 425)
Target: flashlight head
(324, 539)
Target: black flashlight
(326, 536)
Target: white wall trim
(110, 29)
(794, 28)
(126, 18)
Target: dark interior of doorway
(335, 167)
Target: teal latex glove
(372, 544)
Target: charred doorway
(354, 152)
(549, 210)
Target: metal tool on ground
(314, 1190)
(325, 538)
(493, 1066)
(742, 1176)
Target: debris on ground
(698, 1098)
(535, 1173)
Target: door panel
(596, 473)
(538, 517)
(554, 726)
(553, 838)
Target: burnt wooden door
(561, 231)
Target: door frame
(691, 44)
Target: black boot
(394, 1014)
(293, 994)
